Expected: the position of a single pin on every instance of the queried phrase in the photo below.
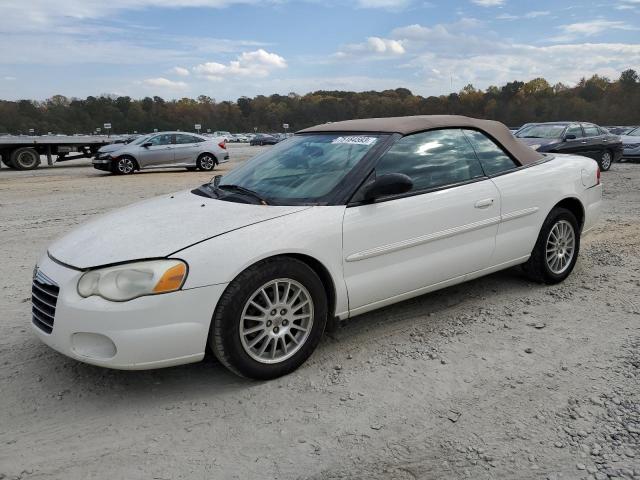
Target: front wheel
(124, 166)
(270, 319)
(556, 250)
(605, 161)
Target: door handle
(487, 202)
(584, 142)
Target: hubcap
(125, 165)
(276, 321)
(561, 244)
(207, 163)
(606, 160)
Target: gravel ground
(497, 378)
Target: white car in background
(163, 150)
(631, 144)
(337, 221)
(227, 136)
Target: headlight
(131, 280)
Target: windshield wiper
(246, 191)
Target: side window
(491, 156)
(432, 159)
(164, 139)
(183, 139)
(574, 130)
(591, 130)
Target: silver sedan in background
(163, 150)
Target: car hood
(157, 228)
(628, 139)
(539, 141)
(112, 147)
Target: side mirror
(388, 184)
(147, 144)
(571, 136)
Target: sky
(226, 49)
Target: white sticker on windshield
(356, 140)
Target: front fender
(315, 232)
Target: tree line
(597, 99)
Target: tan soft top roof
(407, 125)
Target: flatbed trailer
(23, 152)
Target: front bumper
(102, 164)
(631, 153)
(147, 332)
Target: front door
(159, 153)
(576, 145)
(444, 228)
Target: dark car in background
(263, 139)
(577, 138)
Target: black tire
(25, 159)
(7, 161)
(224, 335)
(206, 162)
(537, 268)
(124, 165)
(605, 161)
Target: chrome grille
(44, 296)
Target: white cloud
(440, 53)
(9, 78)
(573, 31)
(390, 4)
(373, 46)
(164, 83)
(528, 15)
(180, 71)
(489, 3)
(258, 63)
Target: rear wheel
(124, 166)
(556, 250)
(605, 161)
(270, 319)
(206, 162)
(7, 161)
(25, 159)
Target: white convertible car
(339, 220)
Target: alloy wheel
(125, 165)
(560, 247)
(207, 162)
(605, 161)
(276, 321)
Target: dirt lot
(498, 378)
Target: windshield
(140, 140)
(304, 169)
(634, 133)
(541, 131)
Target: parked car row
(162, 150)
(578, 138)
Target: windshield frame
(344, 189)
